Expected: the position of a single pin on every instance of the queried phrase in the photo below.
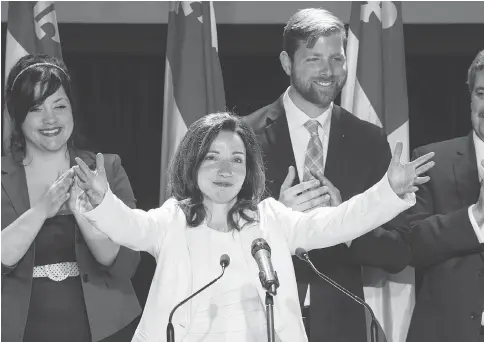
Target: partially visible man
(447, 233)
(305, 135)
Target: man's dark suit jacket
(447, 255)
(358, 157)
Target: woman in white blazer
(216, 182)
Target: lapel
(88, 158)
(465, 171)
(280, 155)
(247, 236)
(14, 182)
(179, 285)
(199, 270)
(337, 157)
(279, 152)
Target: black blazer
(358, 157)
(111, 302)
(447, 255)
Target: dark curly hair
(182, 178)
(20, 96)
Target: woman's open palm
(406, 177)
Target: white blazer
(162, 233)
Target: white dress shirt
(479, 145)
(300, 137)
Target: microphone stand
(170, 331)
(268, 279)
(303, 255)
(270, 317)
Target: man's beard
(319, 97)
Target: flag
(376, 91)
(193, 76)
(31, 28)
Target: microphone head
(301, 253)
(259, 244)
(224, 260)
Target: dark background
(118, 74)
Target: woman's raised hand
(94, 183)
(406, 177)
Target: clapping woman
(62, 280)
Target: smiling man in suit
(447, 233)
(305, 135)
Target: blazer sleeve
(9, 215)
(437, 237)
(133, 228)
(127, 260)
(329, 226)
(384, 247)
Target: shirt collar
(296, 118)
(479, 146)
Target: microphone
(262, 255)
(170, 331)
(302, 254)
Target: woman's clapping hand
(56, 195)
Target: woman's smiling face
(49, 125)
(223, 169)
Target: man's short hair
(307, 25)
(477, 65)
